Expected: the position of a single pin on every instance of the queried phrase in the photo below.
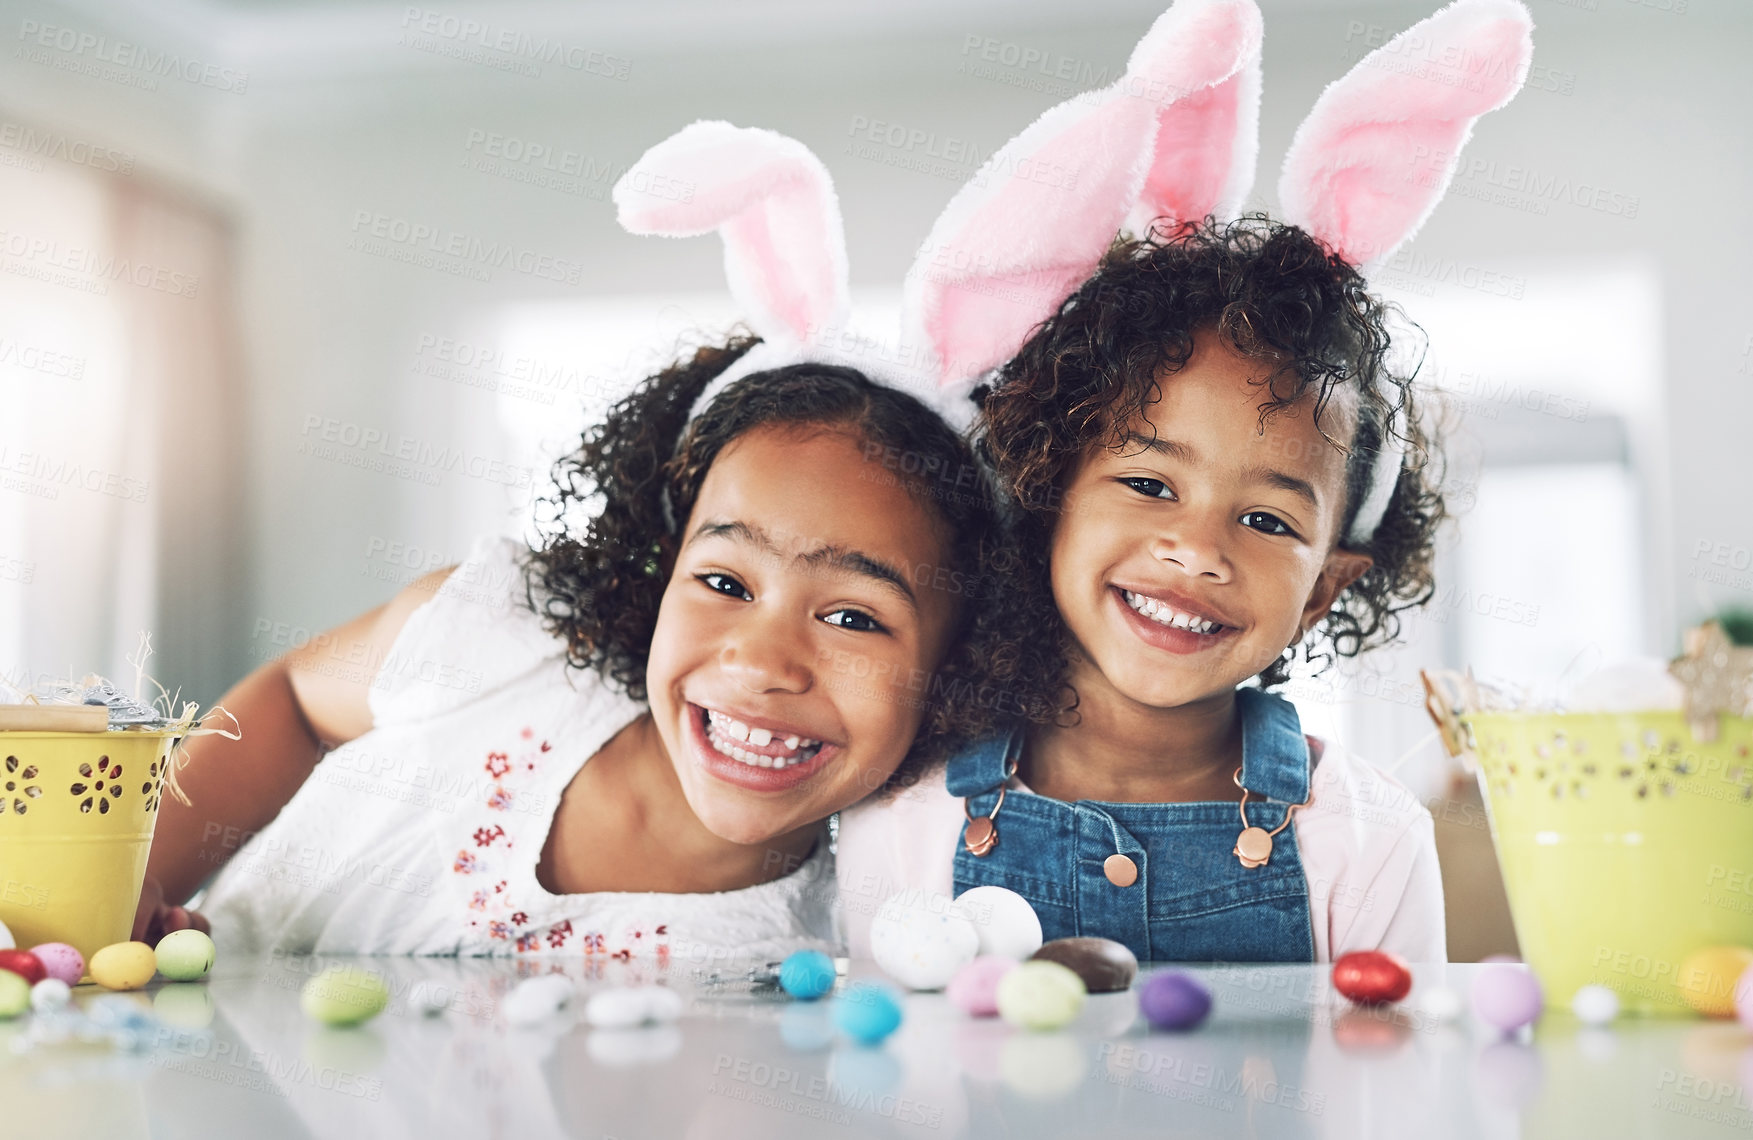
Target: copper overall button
(1121, 871)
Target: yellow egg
(123, 966)
(1707, 979)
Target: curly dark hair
(609, 526)
(1273, 292)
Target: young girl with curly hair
(1217, 459)
(762, 594)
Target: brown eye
(1265, 523)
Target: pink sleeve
(1369, 852)
(906, 842)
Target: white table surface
(1281, 1056)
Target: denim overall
(1193, 900)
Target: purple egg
(1506, 997)
(1174, 1001)
(974, 989)
(61, 961)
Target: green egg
(344, 995)
(184, 955)
(14, 995)
(1040, 995)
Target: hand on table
(153, 919)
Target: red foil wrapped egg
(1372, 977)
(23, 963)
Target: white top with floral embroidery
(422, 836)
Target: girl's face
(1185, 561)
(795, 643)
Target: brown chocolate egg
(1372, 977)
(1104, 965)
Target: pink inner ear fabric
(1373, 196)
(1195, 150)
(1022, 251)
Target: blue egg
(806, 974)
(868, 1012)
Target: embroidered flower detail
(498, 930)
(623, 955)
(527, 732)
(558, 932)
(529, 940)
(499, 799)
(465, 864)
(498, 764)
(664, 929)
(639, 934)
(519, 918)
(546, 746)
(593, 943)
(478, 901)
(499, 887)
(484, 836)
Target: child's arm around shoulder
(290, 712)
(1369, 851)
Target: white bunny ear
(773, 203)
(1034, 222)
(1379, 148)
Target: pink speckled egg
(1506, 996)
(61, 961)
(974, 989)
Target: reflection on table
(1281, 1056)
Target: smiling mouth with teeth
(1164, 614)
(757, 747)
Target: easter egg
(536, 999)
(921, 939)
(626, 1006)
(184, 955)
(1744, 998)
(867, 1012)
(6, 942)
(806, 974)
(1506, 996)
(974, 989)
(1442, 1004)
(343, 995)
(1174, 1001)
(1371, 977)
(430, 999)
(123, 966)
(1003, 920)
(1707, 979)
(14, 995)
(61, 961)
(50, 994)
(23, 963)
(1595, 1005)
(1105, 966)
(1039, 994)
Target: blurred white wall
(1627, 154)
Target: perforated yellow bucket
(1626, 844)
(76, 816)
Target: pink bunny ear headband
(1175, 138)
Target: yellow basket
(76, 816)
(1626, 844)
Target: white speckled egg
(1595, 1005)
(536, 999)
(1007, 925)
(626, 1006)
(921, 939)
